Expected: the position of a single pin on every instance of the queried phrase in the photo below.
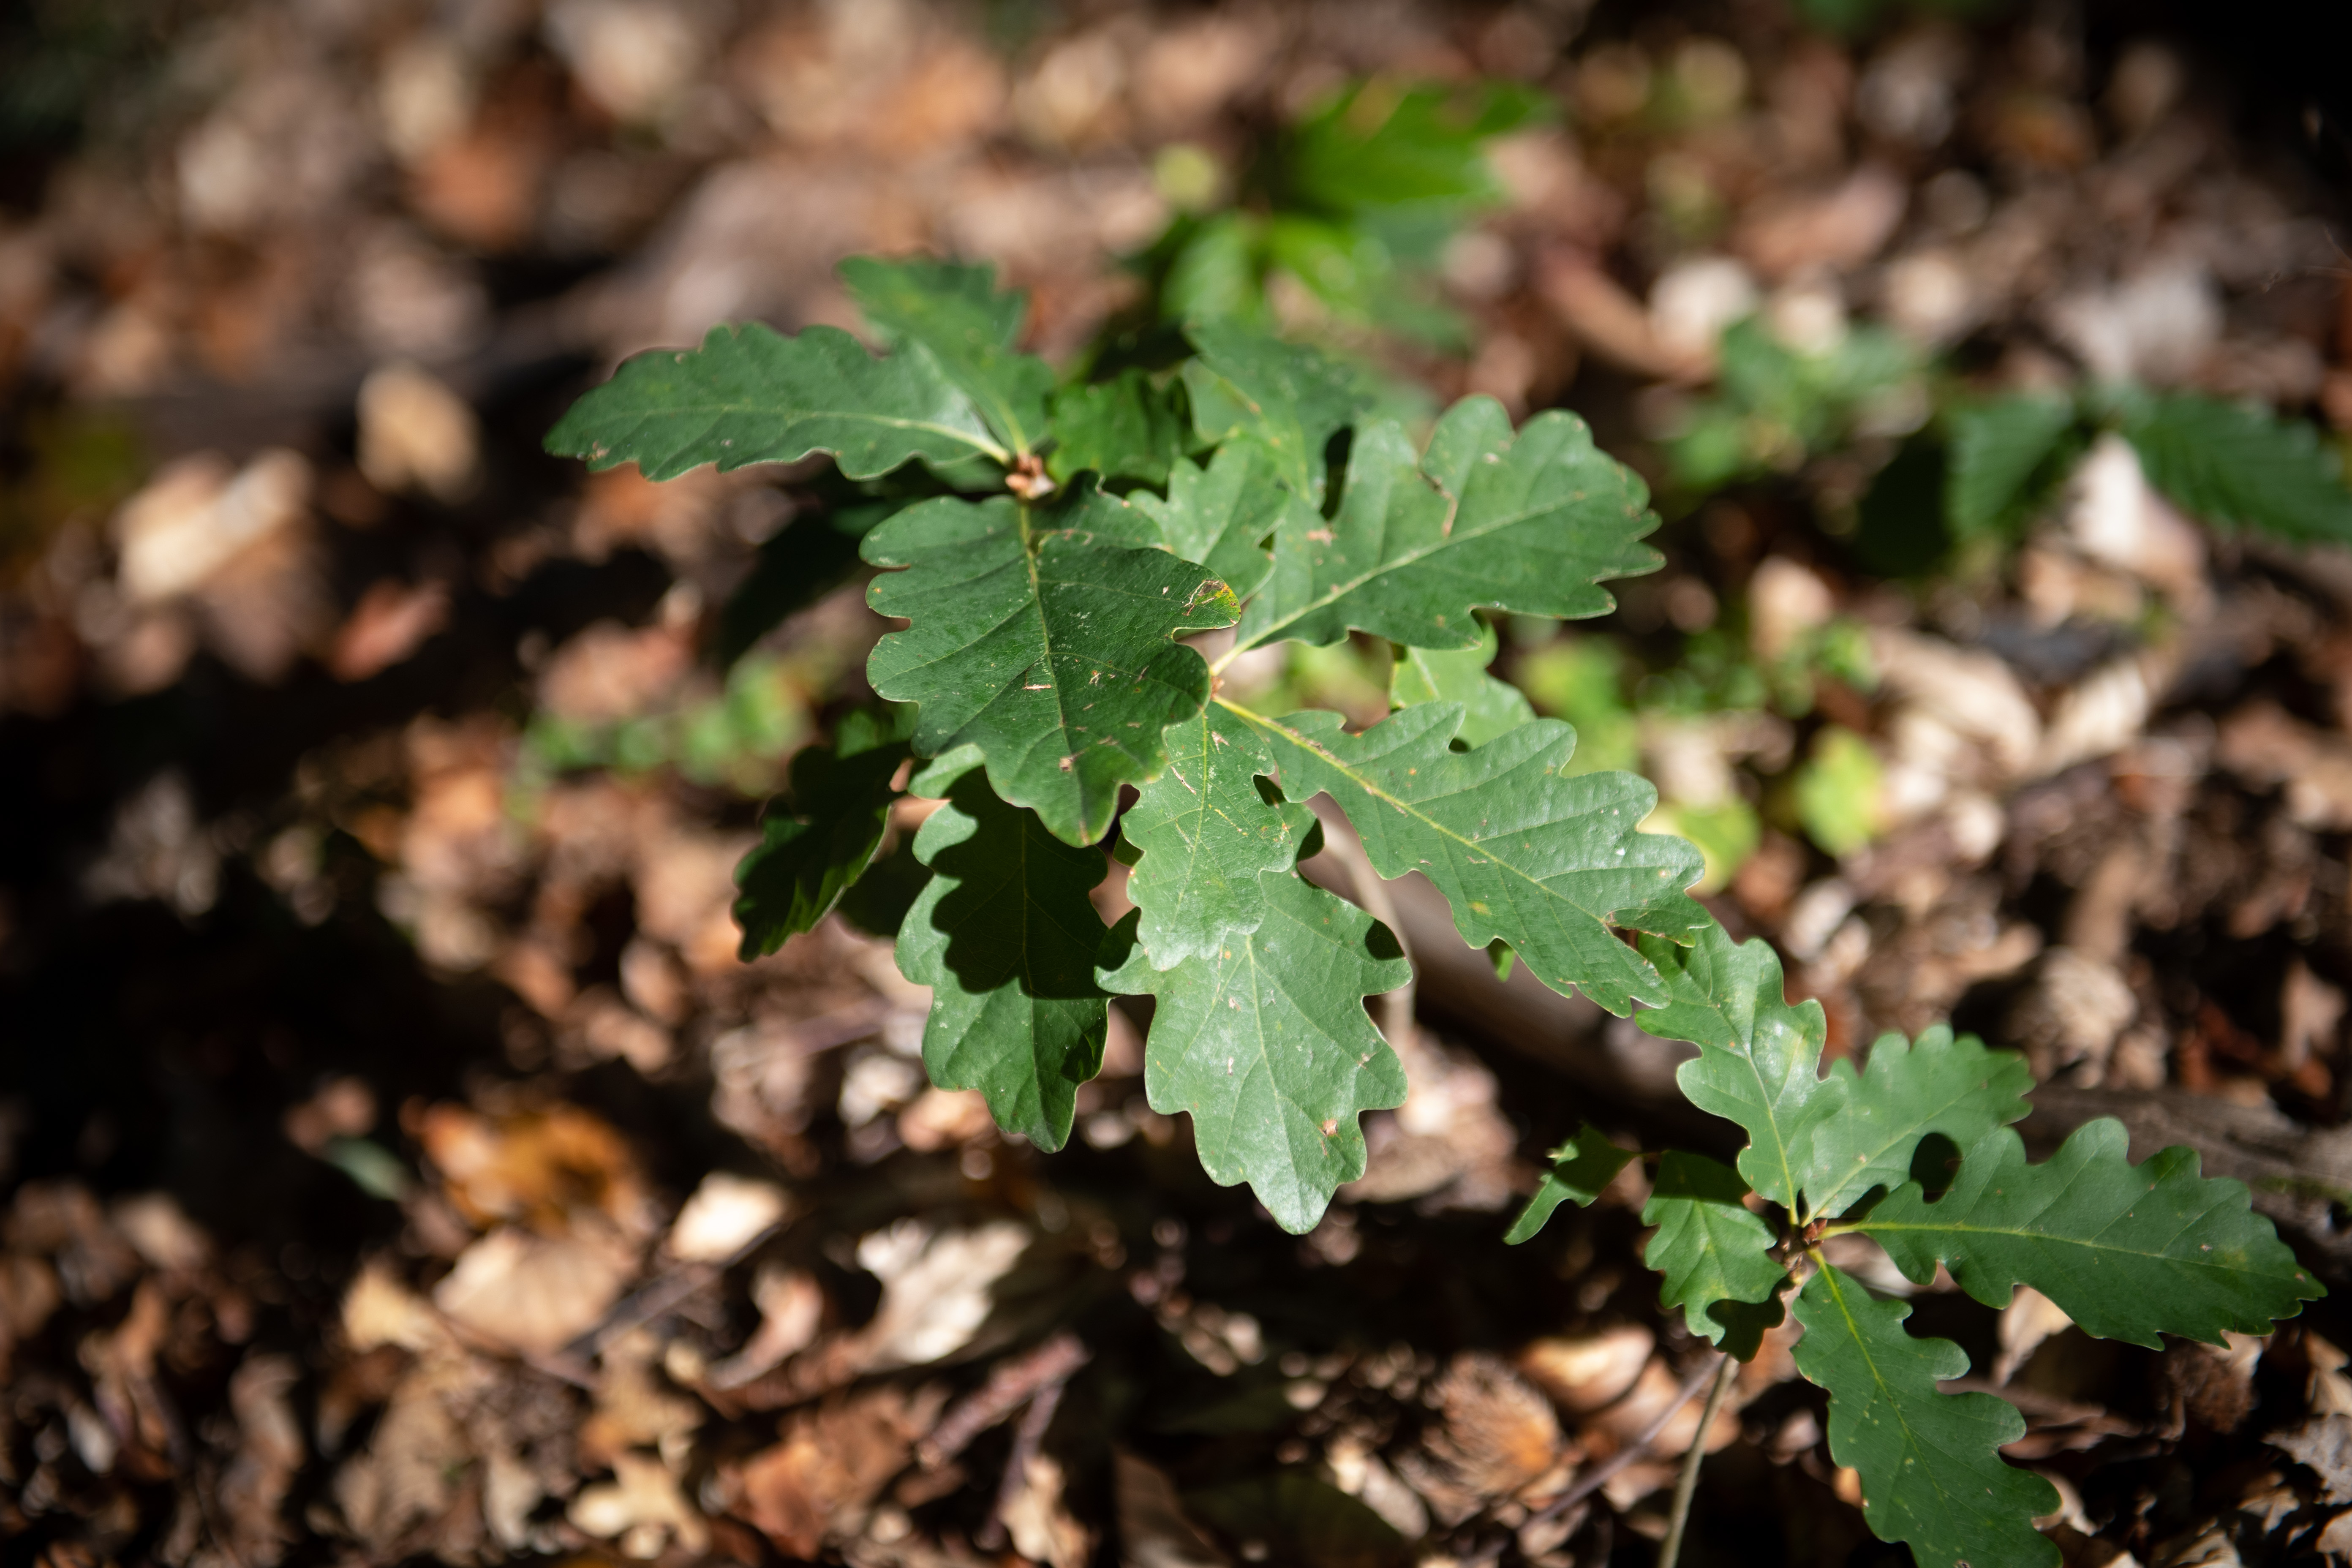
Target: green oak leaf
(955, 311)
(1932, 1475)
(1522, 849)
(1580, 1169)
(1124, 428)
(1759, 1059)
(1376, 145)
(1004, 935)
(1219, 517)
(1050, 649)
(1286, 399)
(808, 855)
(1817, 1143)
(1205, 833)
(1941, 1084)
(1490, 707)
(2001, 452)
(1224, 516)
(2237, 467)
(1266, 1042)
(1530, 523)
(1716, 1255)
(749, 395)
(2128, 1251)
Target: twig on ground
(1027, 1438)
(1013, 1382)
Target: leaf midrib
(792, 416)
(1470, 845)
(1447, 537)
(1962, 1227)
(1887, 1397)
(1919, 1128)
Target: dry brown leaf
(641, 1509)
(1498, 1439)
(537, 1168)
(535, 1293)
(391, 622)
(816, 1483)
(1038, 1520)
(726, 1214)
(1587, 1372)
(634, 1410)
(269, 1452)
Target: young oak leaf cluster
(1065, 540)
(1040, 672)
(2128, 1251)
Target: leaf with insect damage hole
(1005, 936)
(1205, 830)
(749, 395)
(1953, 1087)
(1266, 1043)
(1549, 862)
(955, 311)
(2130, 1251)
(1532, 524)
(811, 851)
(1050, 649)
(1580, 1169)
(1932, 1474)
(1716, 1255)
(1817, 1143)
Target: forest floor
(398, 1161)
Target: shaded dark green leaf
(2234, 466)
(1287, 399)
(1005, 937)
(1716, 1255)
(811, 852)
(1127, 429)
(2002, 455)
(1580, 1169)
(1932, 1474)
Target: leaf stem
(1232, 653)
(1687, 1486)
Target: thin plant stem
(1599, 1476)
(1687, 1486)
